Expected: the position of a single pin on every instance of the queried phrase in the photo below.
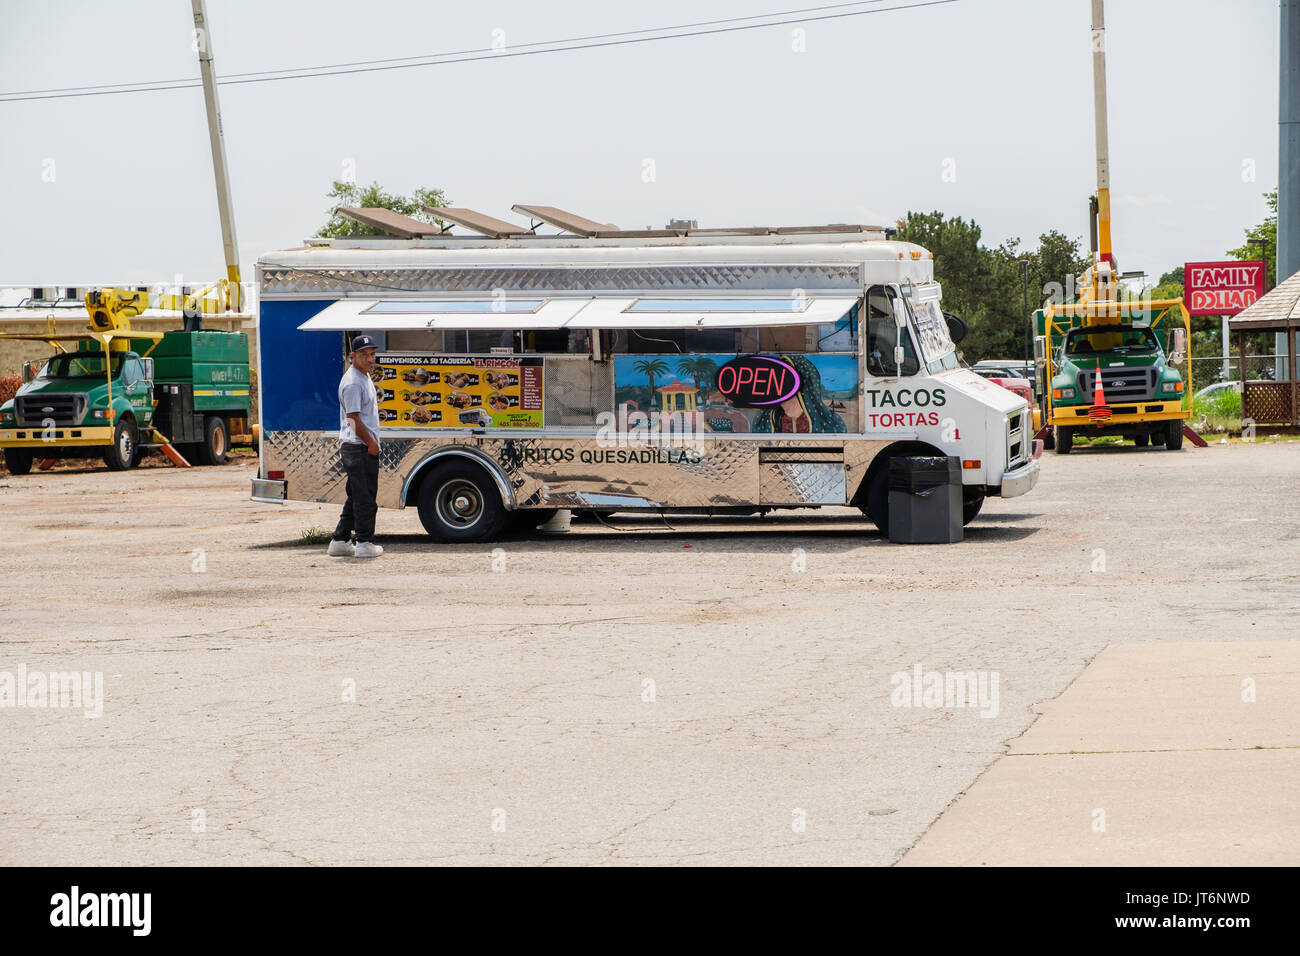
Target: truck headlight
(1171, 387)
(1062, 393)
(99, 413)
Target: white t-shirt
(357, 394)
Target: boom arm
(216, 135)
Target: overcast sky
(978, 108)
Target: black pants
(363, 485)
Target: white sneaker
(368, 549)
(340, 549)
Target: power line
(476, 55)
(434, 56)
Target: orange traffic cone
(1100, 411)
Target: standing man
(359, 449)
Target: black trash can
(925, 500)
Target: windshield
(1111, 338)
(79, 365)
(932, 331)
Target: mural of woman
(806, 410)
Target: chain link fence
(1207, 370)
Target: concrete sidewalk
(1156, 755)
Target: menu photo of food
(461, 391)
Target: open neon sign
(753, 381)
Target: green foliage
(702, 370)
(986, 287)
(1266, 230)
(1221, 412)
(651, 369)
(374, 196)
(314, 535)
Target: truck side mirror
(1180, 347)
(957, 327)
(1040, 350)
(148, 368)
(29, 371)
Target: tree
(986, 287)
(701, 369)
(651, 369)
(374, 196)
(1266, 230)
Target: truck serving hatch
(540, 312)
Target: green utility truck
(117, 394)
(1136, 352)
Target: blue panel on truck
(300, 385)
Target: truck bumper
(61, 437)
(1021, 481)
(269, 491)
(1076, 416)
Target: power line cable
(434, 56)
(493, 55)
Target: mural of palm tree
(650, 369)
(701, 369)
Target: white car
(1217, 388)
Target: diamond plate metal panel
(586, 472)
(337, 282)
(801, 483)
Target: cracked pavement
(505, 717)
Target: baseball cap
(362, 342)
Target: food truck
(662, 371)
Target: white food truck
(661, 371)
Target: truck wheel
(528, 519)
(18, 460)
(1157, 438)
(1140, 441)
(121, 454)
(460, 504)
(1174, 437)
(1062, 439)
(970, 507)
(877, 501)
(216, 441)
(1049, 440)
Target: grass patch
(1220, 413)
(314, 536)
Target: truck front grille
(1119, 384)
(34, 411)
(1018, 438)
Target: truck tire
(1158, 438)
(1174, 437)
(19, 460)
(970, 507)
(459, 503)
(120, 455)
(877, 500)
(1140, 441)
(216, 441)
(1062, 439)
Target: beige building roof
(1275, 309)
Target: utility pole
(225, 204)
(1288, 167)
(1103, 137)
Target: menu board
(458, 391)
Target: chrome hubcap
(460, 504)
